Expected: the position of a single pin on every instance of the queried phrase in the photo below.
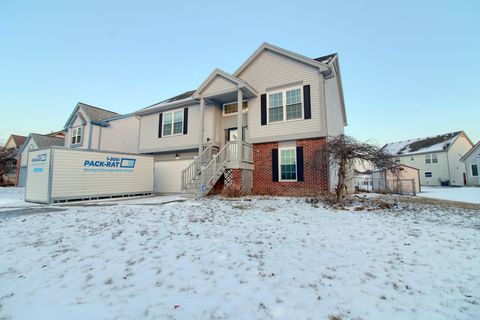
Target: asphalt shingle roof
(44, 141)
(97, 114)
(421, 145)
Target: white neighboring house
(472, 165)
(93, 128)
(437, 157)
(35, 141)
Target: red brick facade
(315, 170)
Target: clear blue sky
(409, 68)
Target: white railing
(190, 172)
(209, 172)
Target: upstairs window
(474, 168)
(431, 158)
(77, 134)
(232, 108)
(285, 105)
(173, 123)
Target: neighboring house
(472, 165)
(8, 159)
(437, 157)
(289, 103)
(93, 128)
(35, 141)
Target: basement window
(428, 175)
(288, 164)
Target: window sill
(287, 121)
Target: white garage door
(168, 175)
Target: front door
(232, 134)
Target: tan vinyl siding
(69, 180)
(334, 107)
(121, 135)
(270, 71)
(218, 85)
(30, 146)
(456, 151)
(149, 141)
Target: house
(403, 180)
(437, 157)
(35, 141)
(94, 128)
(290, 104)
(471, 161)
(9, 159)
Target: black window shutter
(160, 116)
(274, 164)
(307, 109)
(263, 110)
(185, 121)
(300, 164)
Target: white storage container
(60, 174)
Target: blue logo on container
(127, 163)
(40, 158)
(38, 170)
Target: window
(288, 164)
(173, 123)
(431, 158)
(474, 168)
(412, 159)
(397, 160)
(291, 110)
(77, 134)
(428, 175)
(232, 108)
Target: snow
(463, 194)
(268, 258)
(12, 198)
(397, 148)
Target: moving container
(60, 174)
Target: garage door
(168, 175)
(23, 177)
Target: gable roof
(17, 139)
(95, 114)
(326, 59)
(219, 72)
(470, 151)
(437, 143)
(267, 46)
(43, 141)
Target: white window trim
(429, 157)
(173, 122)
(284, 102)
(233, 113)
(77, 144)
(471, 170)
(280, 164)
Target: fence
(398, 186)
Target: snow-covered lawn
(463, 194)
(279, 258)
(11, 197)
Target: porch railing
(193, 170)
(210, 171)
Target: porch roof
(248, 91)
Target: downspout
(448, 165)
(100, 137)
(90, 136)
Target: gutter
(165, 105)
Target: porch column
(202, 119)
(239, 124)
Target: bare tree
(343, 151)
(7, 163)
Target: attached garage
(168, 175)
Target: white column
(239, 124)
(202, 119)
